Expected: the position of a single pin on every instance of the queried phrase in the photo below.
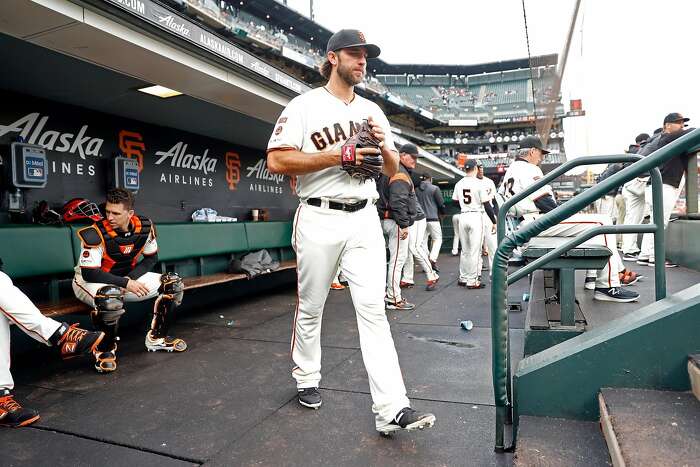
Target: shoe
(615, 294)
(630, 257)
(643, 261)
(403, 305)
(431, 285)
(589, 283)
(309, 397)
(478, 285)
(628, 278)
(167, 344)
(14, 415)
(337, 286)
(106, 362)
(434, 265)
(409, 420)
(455, 253)
(406, 285)
(668, 264)
(75, 341)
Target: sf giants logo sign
(132, 146)
(233, 170)
(126, 249)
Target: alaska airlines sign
(180, 171)
(181, 27)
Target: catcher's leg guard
(109, 307)
(171, 292)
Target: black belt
(347, 207)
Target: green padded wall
(36, 250)
(268, 235)
(192, 240)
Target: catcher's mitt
(371, 165)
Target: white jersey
(519, 176)
(471, 194)
(490, 188)
(317, 121)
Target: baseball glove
(371, 165)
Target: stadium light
(267, 16)
(499, 139)
(160, 91)
(561, 134)
(521, 137)
(506, 139)
(492, 140)
(438, 141)
(552, 135)
(458, 141)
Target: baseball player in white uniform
(337, 223)
(470, 193)
(455, 238)
(525, 171)
(489, 227)
(71, 341)
(633, 194)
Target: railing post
(691, 185)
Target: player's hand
(137, 288)
(403, 233)
(360, 154)
(377, 131)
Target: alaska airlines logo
(233, 170)
(132, 146)
(179, 158)
(171, 23)
(31, 130)
(260, 171)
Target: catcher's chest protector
(121, 252)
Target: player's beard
(345, 73)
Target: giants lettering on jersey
(336, 134)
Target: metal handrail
(499, 313)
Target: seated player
(71, 341)
(108, 274)
(525, 171)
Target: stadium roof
(305, 28)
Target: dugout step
(650, 428)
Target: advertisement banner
(179, 171)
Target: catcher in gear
(108, 274)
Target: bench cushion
(29, 250)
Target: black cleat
(14, 415)
(310, 397)
(75, 341)
(409, 420)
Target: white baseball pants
(322, 239)
(670, 194)
(433, 231)
(471, 236)
(85, 291)
(416, 233)
(634, 214)
(16, 308)
(455, 237)
(579, 223)
(489, 239)
(398, 250)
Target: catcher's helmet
(80, 209)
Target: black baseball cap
(411, 149)
(533, 142)
(470, 164)
(346, 38)
(641, 138)
(674, 117)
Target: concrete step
(694, 373)
(650, 428)
(555, 442)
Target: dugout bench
(555, 314)
(42, 259)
